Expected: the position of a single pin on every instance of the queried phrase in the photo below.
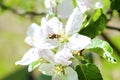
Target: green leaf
(95, 25)
(115, 4)
(33, 65)
(96, 15)
(43, 77)
(74, 3)
(88, 72)
(102, 48)
(88, 57)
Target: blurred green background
(13, 27)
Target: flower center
(58, 69)
(63, 38)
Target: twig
(114, 28)
(21, 13)
(111, 43)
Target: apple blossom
(35, 54)
(68, 34)
(58, 72)
(56, 46)
(36, 37)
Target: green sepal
(34, 65)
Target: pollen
(59, 69)
(64, 38)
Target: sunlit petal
(54, 26)
(47, 55)
(33, 30)
(83, 5)
(59, 77)
(71, 74)
(65, 9)
(33, 34)
(79, 42)
(47, 44)
(47, 69)
(74, 22)
(63, 55)
(29, 57)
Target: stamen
(59, 69)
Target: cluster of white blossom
(55, 44)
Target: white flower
(36, 36)
(68, 35)
(58, 72)
(34, 54)
(85, 5)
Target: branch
(111, 44)
(113, 28)
(21, 13)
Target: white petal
(54, 26)
(47, 55)
(59, 76)
(71, 74)
(33, 29)
(43, 32)
(63, 55)
(49, 3)
(33, 34)
(47, 69)
(29, 57)
(78, 42)
(47, 44)
(74, 22)
(51, 44)
(75, 62)
(65, 9)
(29, 40)
(83, 5)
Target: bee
(54, 36)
